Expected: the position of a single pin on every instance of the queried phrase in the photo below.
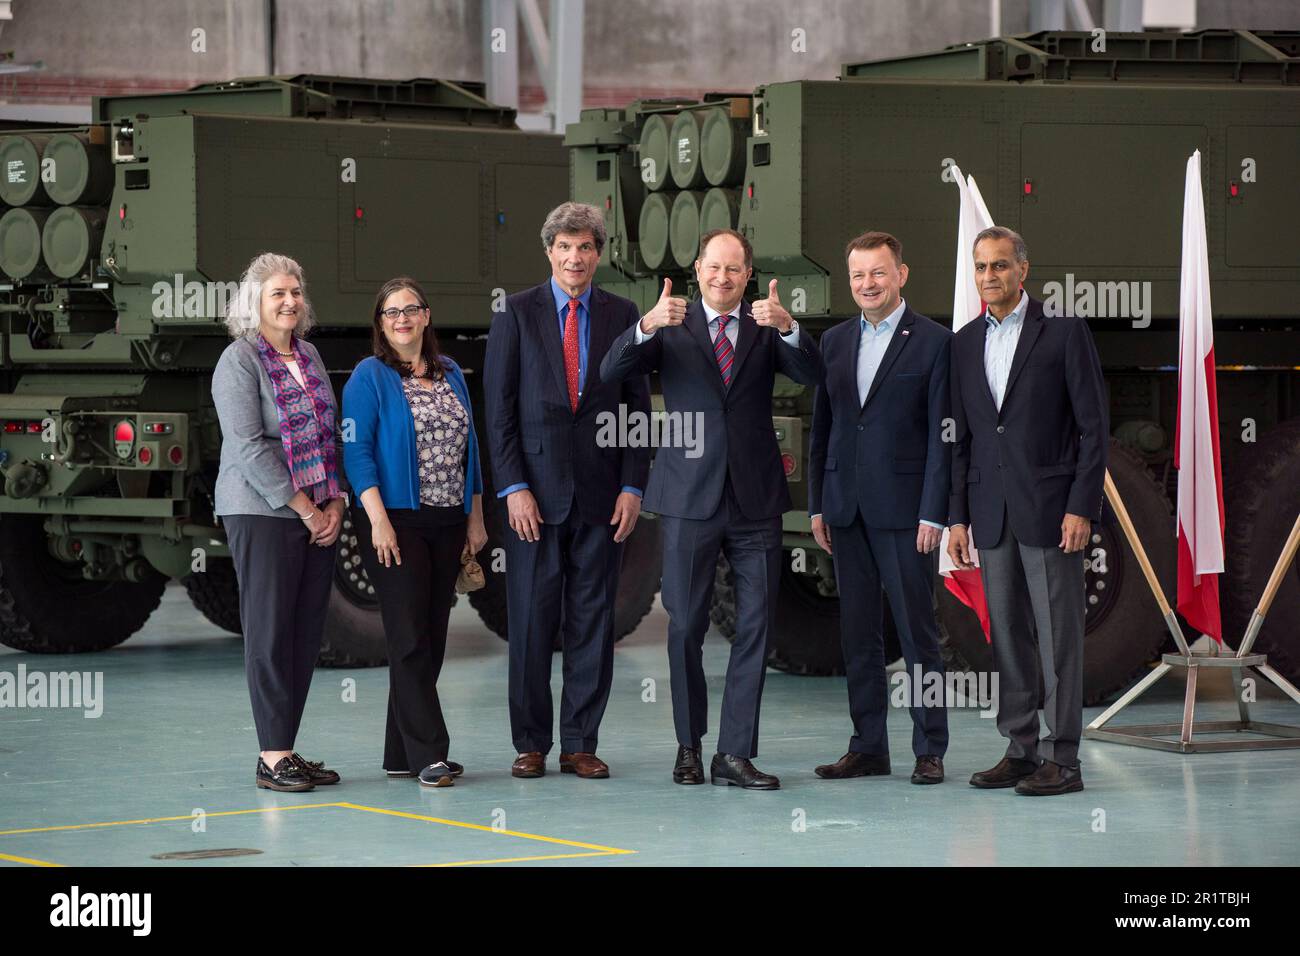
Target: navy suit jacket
(533, 435)
(738, 437)
(1044, 454)
(885, 457)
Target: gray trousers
(1036, 609)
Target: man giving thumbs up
(717, 360)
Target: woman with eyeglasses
(413, 465)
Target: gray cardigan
(254, 477)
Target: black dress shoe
(315, 770)
(287, 776)
(456, 770)
(929, 769)
(855, 765)
(689, 768)
(1006, 773)
(729, 771)
(1050, 780)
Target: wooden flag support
(1282, 736)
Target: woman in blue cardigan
(412, 461)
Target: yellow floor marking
(188, 816)
(523, 859)
(478, 826)
(597, 849)
(29, 862)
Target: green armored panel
(654, 149)
(82, 170)
(20, 170)
(654, 230)
(684, 150)
(684, 227)
(20, 244)
(70, 238)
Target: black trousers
(869, 563)
(415, 600)
(564, 583)
(691, 549)
(284, 587)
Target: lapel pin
(907, 331)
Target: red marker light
(176, 454)
(750, 191)
(124, 431)
(11, 427)
(609, 202)
(1233, 190)
(33, 428)
(360, 212)
(121, 213)
(146, 456)
(1029, 187)
(788, 462)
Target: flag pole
(1270, 591)
(1130, 532)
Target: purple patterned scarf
(306, 422)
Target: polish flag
(966, 586)
(1196, 444)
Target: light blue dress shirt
(1000, 347)
(584, 344)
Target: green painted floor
(176, 738)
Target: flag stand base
(1151, 736)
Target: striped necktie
(722, 349)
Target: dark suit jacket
(1044, 454)
(533, 436)
(885, 457)
(738, 436)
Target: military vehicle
(119, 242)
(1079, 142)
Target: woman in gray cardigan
(280, 499)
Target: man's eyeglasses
(411, 311)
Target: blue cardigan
(381, 452)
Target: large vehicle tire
(806, 638)
(1260, 514)
(47, 607)
(354, 631)
(214, 592)
(1123, 628)
(638, 580)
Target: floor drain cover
(204, 854)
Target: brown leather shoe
(1051, 779)
(587, 766)
(1006, 773)
(855, 765)
(531, 764)
(929, 769)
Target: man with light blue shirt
(1031, 435)
(878, 495)
(571, 502)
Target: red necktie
(722, 349)
(571, 354)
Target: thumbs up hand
(669, 310)
(769, 311)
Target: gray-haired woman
(280, 498)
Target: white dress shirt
(733, 328)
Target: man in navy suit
(718, 359)
(878, 495)
(1028, 466)
(571, 501)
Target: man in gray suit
(718, 358)
(1028, 464)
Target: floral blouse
(441, 436)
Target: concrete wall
(633, 45)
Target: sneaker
(455, 768)
(436, 775)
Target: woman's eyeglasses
(411, 311)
